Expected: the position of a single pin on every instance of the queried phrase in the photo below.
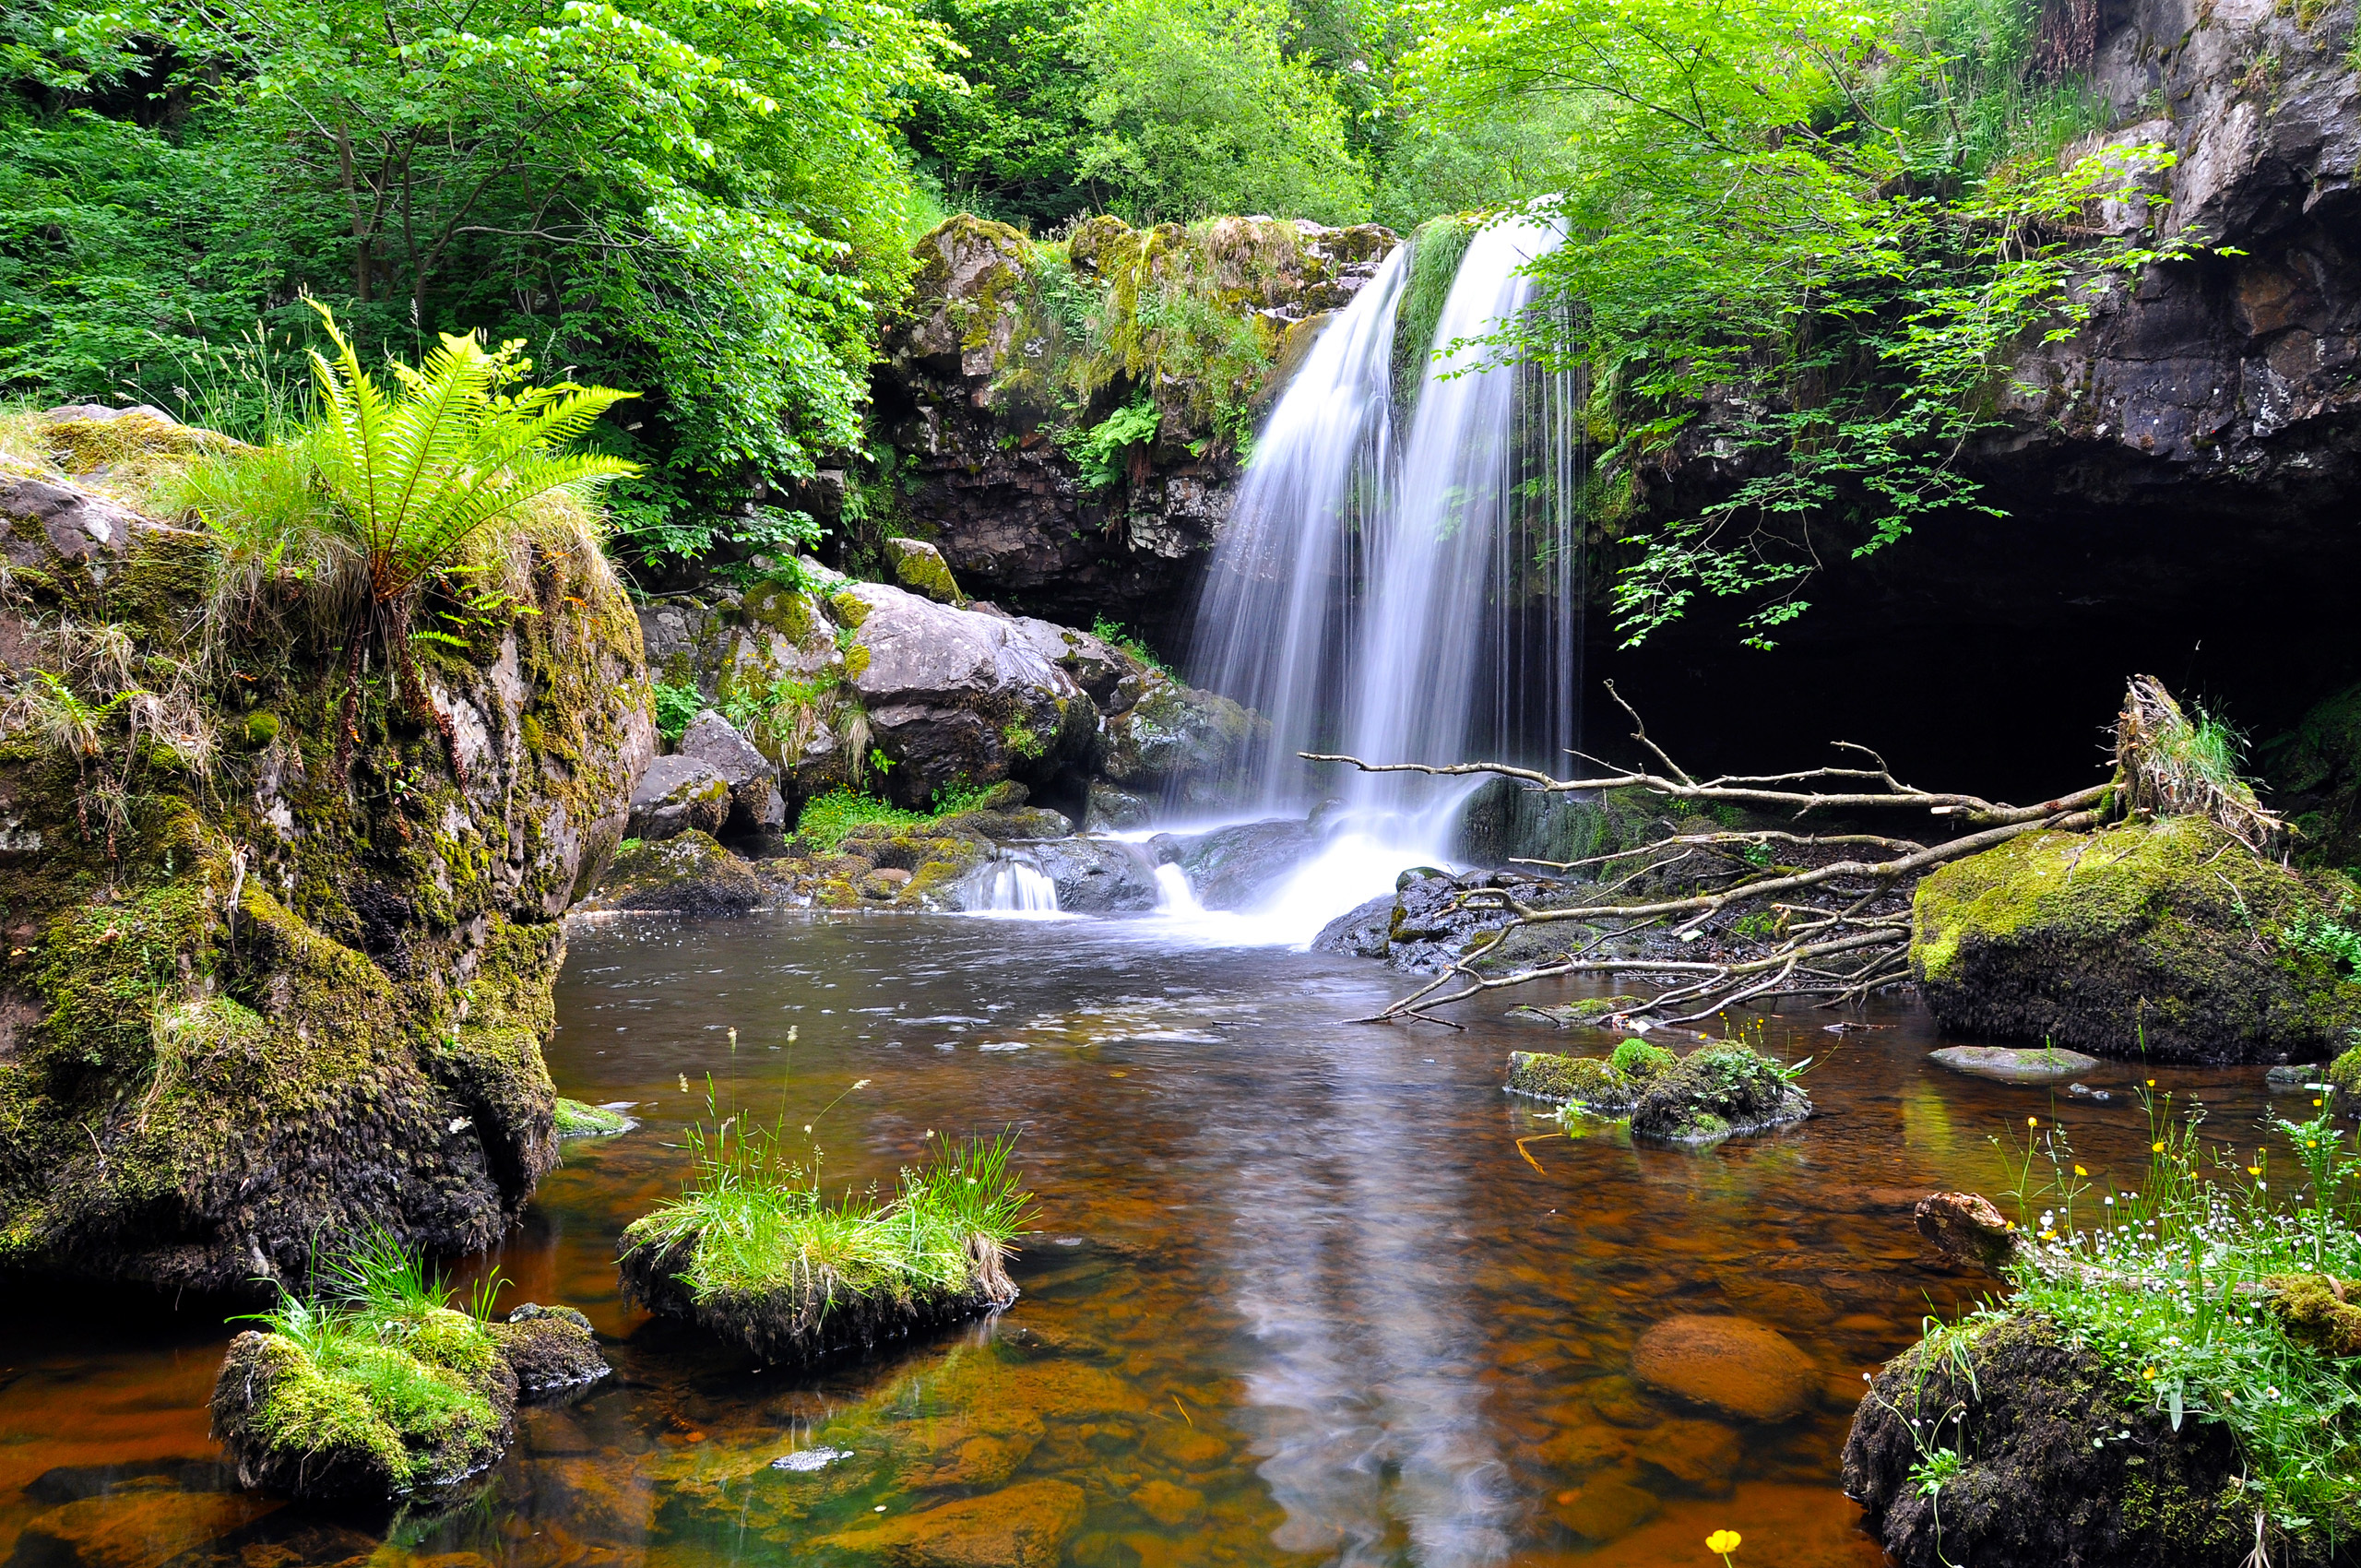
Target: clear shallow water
(1298, 1295)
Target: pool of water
(1303, 1290)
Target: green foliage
(1113, 635)
(1436, 251)
(1199, 110)
(825, 819)
(702, 197)
(1848, 207)
(1101, 451)
(1011, 146)
(2331, 939)
(2192, 1286)
(677, 708)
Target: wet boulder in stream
(755, 805)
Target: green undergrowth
(1114, 635)
(384, 1360)
(753, 1225)
(827, 818)
(2213, 1285)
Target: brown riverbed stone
(1025, 1525)
(138, 1526)
(1188, 1449)
(1168, 1504)
(1603, 1509)
(1702, 1455)
(1733, 1364)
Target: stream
(1298, 1293)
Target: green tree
(1199, 108)
(1847, 215)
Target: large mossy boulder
(2060, 1463)
(1163, 737)
(1721, 1089)
(690, 873)
(2167, 940)
(250, 996)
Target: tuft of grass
(2174, 765)
(765, 1251)
(2198, 1286)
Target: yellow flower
(2152, 1374)
(1721, 1542)
(2254, 1169)
(2151, 1082)
(2079, 1172)
(2156, 1148)
(2032, 1121)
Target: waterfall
(1018, 888)
(1410, 598)
(1173, 894)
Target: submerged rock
(1025, 1525)
(2060, 1463)
(2168, 940)
(2008, 1065)
(1732, 1364)
(1099, 876)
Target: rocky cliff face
(982, 390)
(248, 1004)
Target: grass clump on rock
(754, 1252)
(2177, 1356)
(385, 1383)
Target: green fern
(416, 478)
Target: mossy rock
(689, 874)
(2313, 773)
(1592, 1011)
(249, 1015)
(2345, 1077)
(2046, 1475)
(576, 1120)
(2167, 941)
(920, 567)
(377, 1415)
(1716, 1090)
(795, 1317)
(1588, 1081)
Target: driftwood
(1835, 944)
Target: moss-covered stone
(1584, 1080)
(377, 1411)
(252, 1013)
(690, 873)
(2047, 1473)
(2167, 940)
(1715, 1090)
(920, 567)
(576, 1120)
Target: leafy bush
(1112, 634)
(1100, 450)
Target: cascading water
(1405, 600)
(1018, 888)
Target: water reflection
(1296, 1297)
